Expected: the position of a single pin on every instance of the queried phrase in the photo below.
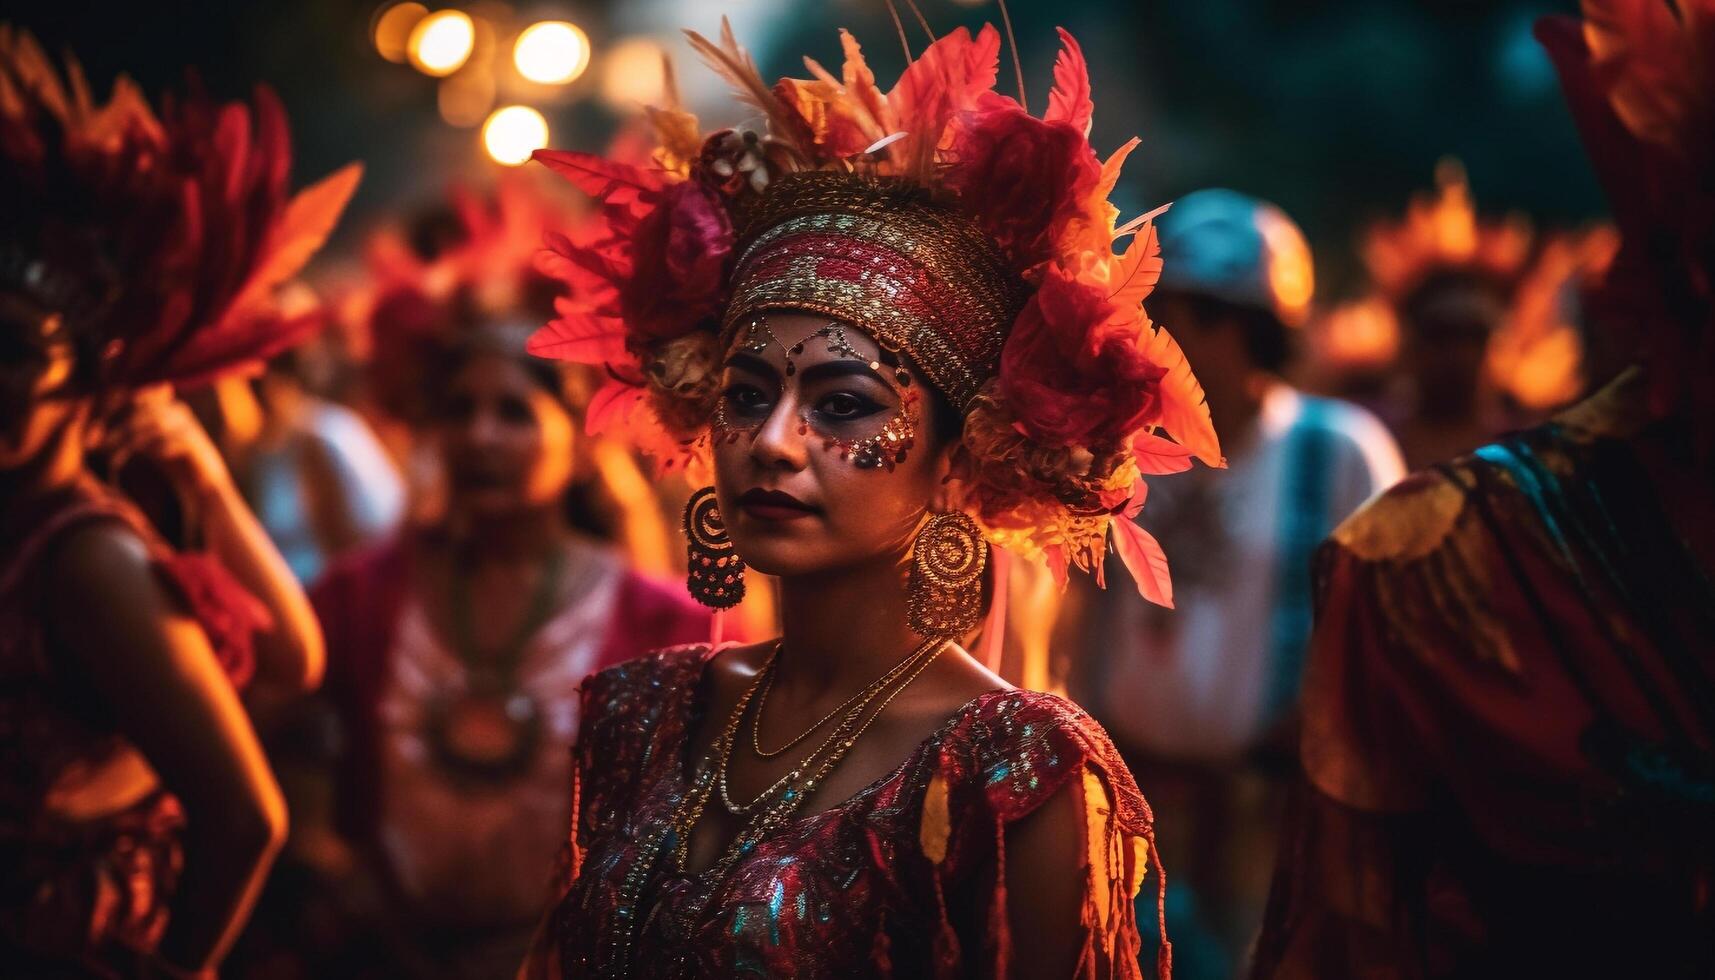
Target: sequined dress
(899, 880)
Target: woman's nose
(780, 443)
(481, 428)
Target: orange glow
(441, 43)
(552, 52)
(1291, 273)
(392, 32)
(634, 74)
(1444, 230)
(1357, 336)
(513, 133)
(465, 99)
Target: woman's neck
(510, 536)
(841, 630)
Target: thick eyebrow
(841, 369)
(753, 364)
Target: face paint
(743, 410)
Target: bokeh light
(392, 32)
(465, 97)
(513, 132)
(441, 42)
(633, 74)
(552, 52)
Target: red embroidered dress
(899, 880)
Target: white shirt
(1204, 680)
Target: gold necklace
(790, 802)
(856, 704)
(868, 691)
(690, 809)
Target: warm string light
(552, 52)
(393, 27)
(458, 47)
(514, 132)
(441, 43)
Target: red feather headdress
(162, 238)
(1639, 77)
(1067, 386)
(417, 296)
(1536, 352)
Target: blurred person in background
(1449, 279)
(456, 650)
(1198, 695)
(321, 482)
(1509, 735)
(140, 816)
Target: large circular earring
(716, 576)
(944, 593)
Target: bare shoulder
(96, 564)
(731, 670)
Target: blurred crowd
(413, 463)
(469, 555)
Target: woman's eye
(516, 411)
(843, 405)
(457, 409)
(746, 398)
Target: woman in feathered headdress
(139, 252)
(895, 331)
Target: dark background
(1337, 111)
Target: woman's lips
(773, 505)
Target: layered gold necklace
(776, 805)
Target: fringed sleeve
(1010, 758)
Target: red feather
(584, 339)
(605, 180)
(1145, 560)
(1184, 407)
(947, 78)
(1156, 456)
(1137, 270)
(1070, 99)
(611, 407)
(300, 232)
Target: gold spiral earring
(716, 572)
(944, 594)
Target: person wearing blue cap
(1202, 691)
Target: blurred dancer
(1449, 279)
(138, 252)
(1510, 708)
(320, 480)
(1195, 694)
(456, 652)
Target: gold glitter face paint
(740, 414)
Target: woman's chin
(780, 556)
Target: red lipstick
(773, 505)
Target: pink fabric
(359, 602)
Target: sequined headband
(921, 279)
